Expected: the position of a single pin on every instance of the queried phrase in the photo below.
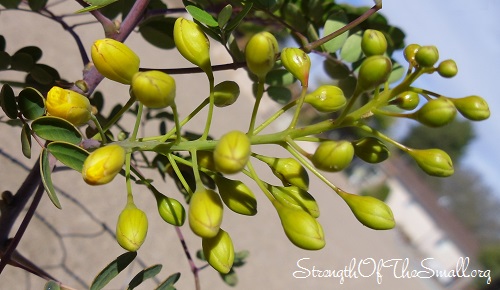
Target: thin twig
(193, 267)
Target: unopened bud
(447, 68)
(296, 198)
(288, 170)
(434, 161)
(408, 100)
(409, 53)
(370, 211)
(114, 60)
(436, 112)
(154, 89)
(373, 42)
(131, 228)
(69, 105)
(226, 93)
(427, 56)
(371, 150)
(219, 251)
(333, 156)
(232, 152)
(373, 72)
(192, 43)
(326, 99)
(298, 63)
(102, 165)
(260, 53)
(170, 210)
(236, 195)
(473, 108)
(205, 213)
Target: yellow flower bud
(170, 210)
(298, 63)
(154, 89)
(434, 162)
(236, 195)
(102, 165)
(326, 99)
(114, 60)
(226, 93)
(232, 152)
(296, 198)
(131, 228)
(205, 213)
(301, 228)
(69, 105)
(288, 170)
(192, 43)
(370, 211)
(260, 53)
(219, 251)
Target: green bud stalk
(69, 105)
(260, 53)
(114, 60)
(326, 99)
(333, 156)
(301, 228)
(102, 165)
(373, 42)
(371, 150)
(298, 63)
(154, 89)
(473, 108)
(131, 228)
(219, 251)
(205, 213)
(192, 43)
(170, 210)
(232, 152)
(226, 93)
(434, 162)
(236, 195)
(370, 211)
(436, 112)
(373, 72)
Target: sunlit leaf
(143, 275)
(46, 174)
(159, 32)
(281, 95)
(56, 129)
(168, 284)
(8, 101)
(26, 140)
(335, 21)
(68, 154)
(202, 16)
(351, 50)
(112, 270)
(31, 103)
(224, 15)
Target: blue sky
(468, 32)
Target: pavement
(74, 243)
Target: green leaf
(69, 154)
(224, 15)
(22, 62)
(37, 5)
(335, 21)
(8, 101)
(231, 25)
(41, 75)
(200, 255)
(230, 278)
(281, 95)
(168, 284)
(112, 270)
(351, 50)
(280, 77)
(335, 69)
(31, 103)
(46, 174)
(295, 17)
(56, 129)
(10, 4)
(51, 285)
(95, 4)
(26, 140)
(4, 60)
(159, 32)
(143, 275)
(397, 72)
(202, 16)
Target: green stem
(210, 107)
(99, 128)
(179, 174)
(118, 115)
(177, 124)
(259, 182)
(382, 136)
(275, 116)
(128, 182)
(298, 108)
(196, 172)
(138, 118)
(258, 97)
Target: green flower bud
(297, 62)
(192, 43)
(301, 228)
(447, 68)
(154, 89)
(102, 165)
(296, 198)
(131, 228)
(373, 72)
(373, 42)
(288, 170)
(232, 152)
(473, 108)
(407, 100)
(206, 159)
(434, 162)
(260, 53)
(409, 53)
(170, 210)
(427, 56)
(69, 105)
(226, 93)
(371, 150)
(205, 213)
(333, 156)
(114, 60)
(436, 112)
(326, 99)
(370, 211)
(219, 251)
(236, 195)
